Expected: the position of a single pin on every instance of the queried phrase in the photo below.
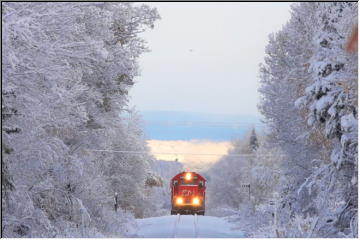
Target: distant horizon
(186, 126)
(198, 112)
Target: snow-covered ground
(182, 226)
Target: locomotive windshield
(189, 182)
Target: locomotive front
(188, 193)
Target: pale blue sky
(205, 56)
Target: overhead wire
(178, 153)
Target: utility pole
(116, 201)
(276, 195)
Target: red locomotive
(188, 193)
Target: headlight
(196, 201)
(179, 201)
(188, 176)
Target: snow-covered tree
(331, 102)
(253, 141)
(245, 176)
(309, 102)
(67, 68)
(160, 196)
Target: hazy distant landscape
(173, 125)
(197, 140)
(197, 155)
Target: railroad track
(195, 226)
(177, 222)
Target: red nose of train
(188, 193)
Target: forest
(67, 69)
(303, 172)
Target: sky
(205, 57)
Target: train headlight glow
(196, 201)
(188, 176)
(179, 201)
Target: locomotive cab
(188, 193)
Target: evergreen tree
(253, 142)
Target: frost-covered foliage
(227, 178)
(254, 143)
(230, 177)
(244, 185)
(309, 100)
(303, 174)
(161, 195)
(67, 69)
